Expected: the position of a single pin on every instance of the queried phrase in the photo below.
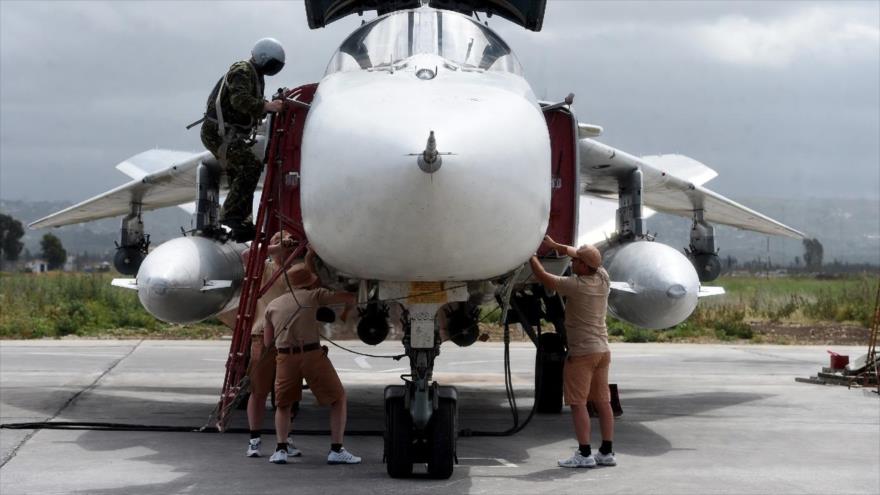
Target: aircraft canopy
(391, 39)
(527, 13)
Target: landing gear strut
(529, 308)
(421, 417)
(702, 252)
(535, 305)
(133, 245)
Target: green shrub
(732, 330)
(616, 328)
(639, 335)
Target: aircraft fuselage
(372, 212)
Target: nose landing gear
(421, 417)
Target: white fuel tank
(664, 283)
(188, 279)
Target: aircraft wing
(670, 184)
(161, 178)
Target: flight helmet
(268, 56)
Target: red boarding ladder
(279, 209)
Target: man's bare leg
(581, 421)
(606, 420)
(338, 416)
(283, 422)
(256, 409)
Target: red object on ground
(838, 361)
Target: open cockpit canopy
(527, 13)
(391, 39)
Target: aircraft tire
(398, 440)
(548, 374)
(441, 460)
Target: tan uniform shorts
(318, 372)
(586, 378)
(261, 371)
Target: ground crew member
(261, 370)
(235, 109)
(585, 375)
(291, 322)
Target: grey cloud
(86, 85)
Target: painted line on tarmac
(70, 401)
(394, 370)
(68, 354)
(490, 361)
(362, 362)
(502, 463)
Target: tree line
(11, 232)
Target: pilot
(585, 375)
(261, 368)
(291, 320)
(229, 130)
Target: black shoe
(214, 232)
(244, 232)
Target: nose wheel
(406, 444)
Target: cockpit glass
(395, 37)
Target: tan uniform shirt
(294, 316)
(585, 308)
(279, 288)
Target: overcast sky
(781, 98)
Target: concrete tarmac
(697, 419)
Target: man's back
(585, 309)
(241, 97)
(294, 316)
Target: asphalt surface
(697, 419)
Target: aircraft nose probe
(429, 160)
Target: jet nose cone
(433, 181)
(156, 286)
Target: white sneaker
(292, 451)
(605, 459)
(279, 457)
(254, 447)
(578, 461)
(342, 457)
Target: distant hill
(849, 229)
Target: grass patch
(749, 300)
(58, 305)
(794, 300)
(81, 304)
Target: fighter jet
(425, 174)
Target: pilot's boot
(240, 230)
(214, 232)
(243, 232)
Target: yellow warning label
(426, 293)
